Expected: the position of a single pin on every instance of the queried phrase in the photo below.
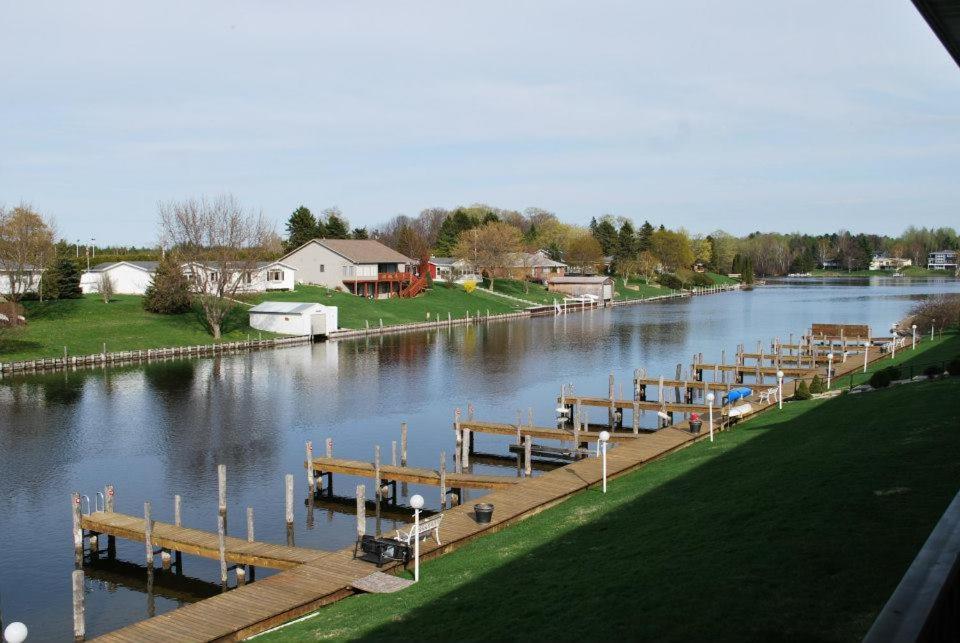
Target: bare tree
(105, 287)
(489, 248)
(26, 246)
(218, 243)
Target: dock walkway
(412, 475)
(330, 576)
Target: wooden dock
(330, 576)
(412, 475)
(542, 432)
(239, 551)
(654, 405)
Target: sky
(811, 115)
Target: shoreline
(146, 356)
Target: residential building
(831, 264)
(19, 279)
(879, 262)
(449, 269)
(294, 318)
(361, 266)
(133, 277)
(943, 260)
(535, 266)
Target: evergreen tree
(626, 242)
(554, 251)
(450, 231)
(49, 283)
(360, 233)
(645, 237)
(301, 227)
(747, 271)
(169, 290)
(335, 225)
(68, 279)
(606, 236)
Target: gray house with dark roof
(361, 266)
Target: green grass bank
(797, 524)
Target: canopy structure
(943, 16)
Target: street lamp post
(417, 503)
(604, 437)
(829, 369)
(913, 343)
(866, 354)
(710, 398)
(780, 390)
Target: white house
(600, 287)
(943, 260)
(879, 262)
(262, 276)
(128, 277)
(133, 277)
(294, 318)
(361, 266)
(22, 280)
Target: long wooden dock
(412, 475)
(330, 576)
(542, 432)
(197, 542)
(655, 405)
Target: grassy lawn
(928, 352)
(532, 292)
(83, 325)
(797, 525)
(911, 271)
(354, 311)
(721, 280)
(637, 289)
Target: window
(321, 267)
(276, 275)
(247, 277)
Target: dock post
(79, 616)
(403, 444)
(660, 390)
(676, 389)
(148, 533)
(165, 560)
(108, 500)
(377, 484)
(636, 417)
(77, 529)
(311, 482)
(178, 520)
(527, 455)
(361, 511)
(443, 480)
(250, 538)
(241, 575)
(222, 549)
(470, 410)
(329, 447)
(465, 454)
(393, 453)
(222, 492)
(288, 506)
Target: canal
(158, 430)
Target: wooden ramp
(197, 542)
(541, 432)
(412, 475)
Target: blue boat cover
(738, 394)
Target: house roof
(358, 250)
(284, 307)
(256, 265)
(443, 261)
(581, 280)
(149, 266)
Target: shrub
(954, 366)
(701, 279)
(68, 279)
(802, 392)
(169, 291)
(469, 286)
(933, 372)
(817, 385)
(945, 309)
(105, 287)
(881, 379)
(670, 281)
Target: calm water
(159, 430)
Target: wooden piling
(378, 486)
(311, 482)
(443, 480)
(403, 444)
(108, 498)
(222, 548)
(393, 452)
(329, 447)
(241, 576)
(222, 492)
(79, 614)
(527, 455)
(361, 510)
(77, 528)
(465, 454)
(288, 498)
(148, 533)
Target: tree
(606, 235)
(335, 224)
(301, 228)
(584, 253)
(490, 248)
(647, 265)
(26, 246)
(169, 290)
(410, 244)
(360, 233)
(703, 250)
(626, 249)
(645, 237)
(449, 234)
(673, 249)
(67, 279)
(105, 287)
(220, 243)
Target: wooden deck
(330, 576)
(788, 371)
(197, 542)
(694, 384)
(542, 432)
(655, 405)
(412, 475)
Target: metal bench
(767, 395)
(428, 526)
